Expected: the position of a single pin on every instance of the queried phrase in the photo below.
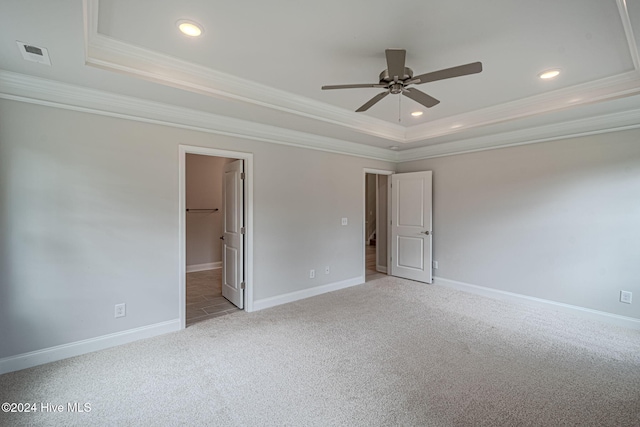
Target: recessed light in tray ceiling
(549, 74)
(189, 28)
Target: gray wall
(89, 219)
(557, 220)
(204, 190)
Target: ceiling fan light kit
(397, 77)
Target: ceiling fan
(397, 77)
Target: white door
(411, 232)
(233, 234)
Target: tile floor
(204, 291)
(204, 296)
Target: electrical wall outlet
(121, 310)
(625, 296)
(312, 274)
(327, 270)
(344, 221)
(434, 264)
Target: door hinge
(242, 285)
(241, 230)
(242, 175)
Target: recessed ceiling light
(456, 126)
(189, 28)
(549, 74)
(393, 147)
(416, 113)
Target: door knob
(425, 232)
(221, 237)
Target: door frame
(365, 171)
(183, 150)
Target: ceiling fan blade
(447, 73)
(395, 62)
(372, 101)
(420, 97)
(355, 86)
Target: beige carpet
(387, 353)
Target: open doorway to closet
(376, 221)
(215, 233)
(204, 181)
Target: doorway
(205, 225)
(376, 221)
(205, 189)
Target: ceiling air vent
(34, 53)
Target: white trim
(572, 129)
(379, 171)
(261, 304)
(606, 89)
(59, 352)
(248, 211)
(204, 267)
(115, 55)
(35, 90)
(628, 32)
(628, 322)
(109, 53)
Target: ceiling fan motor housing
(385, 78)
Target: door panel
(411, 212)
(233, 238)
(411, 234)
(410, 252)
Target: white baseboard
(628, 322)
(203, 267)
(305, 293)
(381, 269)
(59, 352)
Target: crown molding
(571, 129)
(628, 32)
(111, 54)
(105, 52)
(108, 53)
(24, 88)
(40, 91)
(606, 89)
(609, 88)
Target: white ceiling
(265, 62)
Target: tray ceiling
(265, 62)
